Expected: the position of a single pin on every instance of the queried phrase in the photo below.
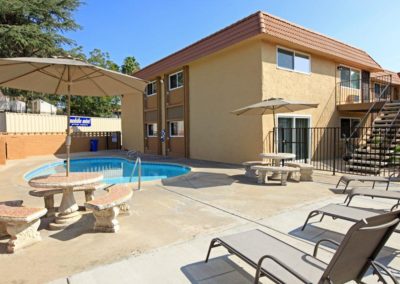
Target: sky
(153, 29)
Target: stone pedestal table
(68, 210)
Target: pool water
(115, 170)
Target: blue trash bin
(94, 143)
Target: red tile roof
(261, 23)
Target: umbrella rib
(86, 76)
(125, 84)
(25, 74)
(94, 82)
(61, 79)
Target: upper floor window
(151, 89)
(176, 80)
(293, 60)
(350, 78)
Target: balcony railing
(378, 89)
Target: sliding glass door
(294, 136)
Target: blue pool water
(115, 170)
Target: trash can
(94, 143)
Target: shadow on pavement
(219, 270)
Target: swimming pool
(115, 170)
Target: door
(294, 136)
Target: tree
(35, 28)
(130, 65)
(94, 106)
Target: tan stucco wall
(219, 84)
(132, 123)
(317, 87)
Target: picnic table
(278, 159)
(68, 210)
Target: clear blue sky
(150, 30)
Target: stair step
(373, 151)
(370, 156)
(368, 162)
(363, 168)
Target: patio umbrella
(273, 106)
(66, 76)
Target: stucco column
(162, 110)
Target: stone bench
(249, 171)
(21, 223)
(283, 171)
(306, 170)
(48, 195)
(107, 207)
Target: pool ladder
(138, 164)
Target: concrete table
(68, 210)
(277, 158)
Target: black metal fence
(370, 151)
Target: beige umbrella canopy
(273, 106)
(66, 76)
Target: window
(176, 80)
(151, 130)
(293, 60)
(378, 89)
(347, 126)
(176, 129)
(350, 78)
(151, 89)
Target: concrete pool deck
(172, 222)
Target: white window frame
(294, 116)
(169, 80)
(150, 95)
(147, 129)
(170, 127)
(294, 54)
(351, 68)
(347, 117)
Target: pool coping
(58, 160)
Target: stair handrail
(387, 130)
(138, 163)
(371, 108)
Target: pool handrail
(138, 164)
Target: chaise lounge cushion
(244, 244)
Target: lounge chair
(283, 263)
(347, 213)
(390, 194)
(374, 179)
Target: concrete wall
(39, 123)
(2, 150)
(3, 122)
(316, 87)
(20, 146)
(219, 84)
(132, 123)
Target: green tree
(35, 28)
(130, 65)
(95, 106)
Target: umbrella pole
(68, 138)
(275, 132)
